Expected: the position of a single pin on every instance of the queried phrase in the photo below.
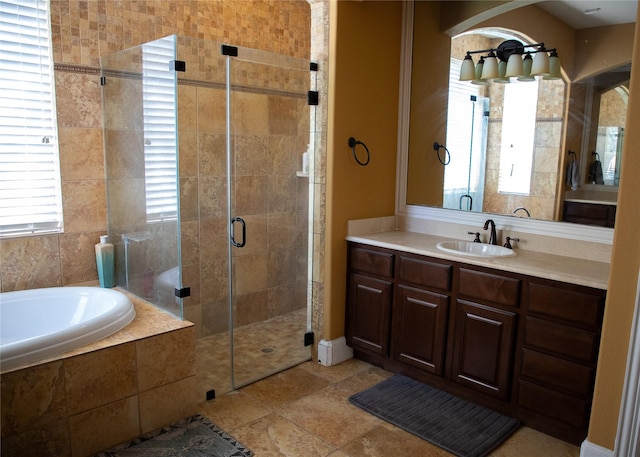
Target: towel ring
(352, 144)
(447, 155)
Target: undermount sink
(471, 249)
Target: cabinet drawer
(370, 261)
(557, 373)
(424, 273)
(486, 286)
(563, 340)
(549, 403)
(573, 305)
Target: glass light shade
(478, 81)
(527, 62)
(540, 63)
(467, 69)
(514, 65)
(502, 68)
(554, 67)
(490, 69)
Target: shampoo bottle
(305, 161)
(104, 261)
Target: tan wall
(602, 48)
(429, 98)
(623, 279)
(363, 103)
(83, 32)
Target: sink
(471, 249)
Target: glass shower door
(140, 140)
(268, 131)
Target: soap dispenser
(104, 262)
(305, 161)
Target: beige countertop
(591, 202)
(549, 266)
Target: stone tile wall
(83, 31)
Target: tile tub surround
(89, 399)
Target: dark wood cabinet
(370, 308)
(559, 356)
(420, 328)
(602, 215)
(483, 348)
(525, 346)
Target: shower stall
(207, 205)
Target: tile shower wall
(270, 130)
(83, 31)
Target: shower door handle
(233, 231)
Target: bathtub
(40, 323)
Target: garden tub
(40, 323)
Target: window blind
(160, 136)
(30, 196)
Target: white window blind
(30, 196)
(518, 137)
(160, 136)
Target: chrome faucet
(493, 238)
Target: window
(160, 136)
(30, 196)
(518, 137)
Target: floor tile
(328, 415)
(274, 436)
(233, 409)
(285, 387)
(388, 441)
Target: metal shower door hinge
(183, 292)
(308, 338)
(312, 97)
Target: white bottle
(305, 161)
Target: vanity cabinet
(559, 356)
(525, 346)
(421, 313)
(602, 215)
(370, 294)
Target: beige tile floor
(260, 350)
(304, 412)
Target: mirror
(607, 96)
(557, 130)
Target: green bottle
(104, 261)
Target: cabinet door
(420, 328)
(484, 340)
(369, 310)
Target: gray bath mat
(195, 436)
(454, 424)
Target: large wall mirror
(508, 144)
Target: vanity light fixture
(506, 61)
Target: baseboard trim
(589, 449)
(333, 352)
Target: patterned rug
(195, 436)
(461, 427)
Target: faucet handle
(509, 240)
(477, 238)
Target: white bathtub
(40, 323)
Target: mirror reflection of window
(518, 135)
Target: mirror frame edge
(555, 229)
